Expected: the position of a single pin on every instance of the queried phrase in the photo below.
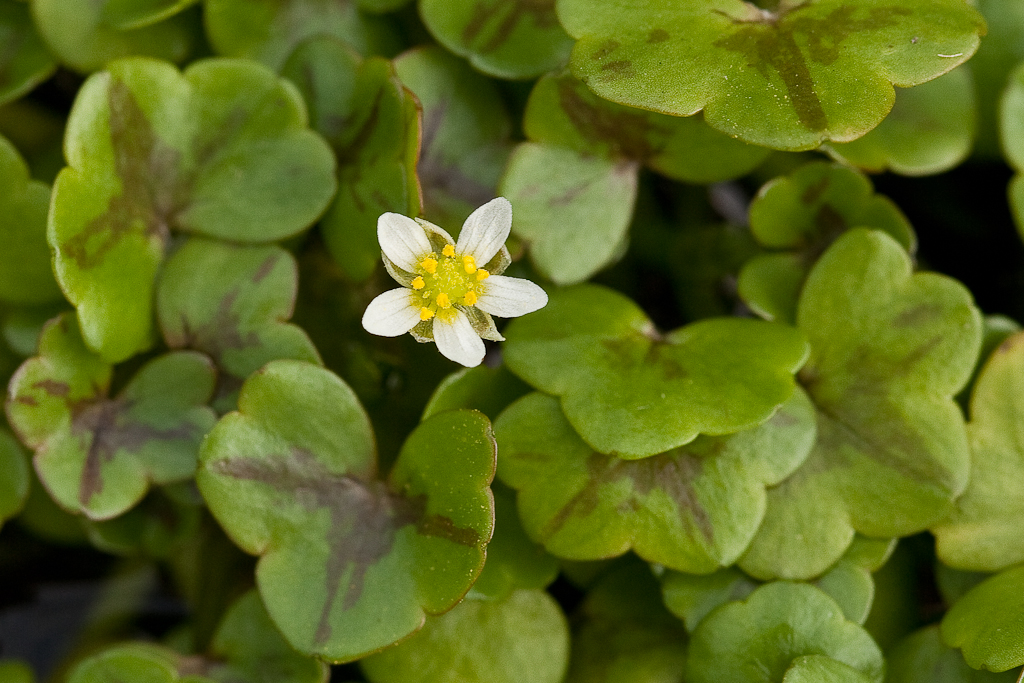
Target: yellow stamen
(448, 250)
(469, 263)
(418, 283)
(482, 274)
(470, 298)
(426, 313)
(442, 300)
(429, 264)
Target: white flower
(445, 295)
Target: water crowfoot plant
(446, 296)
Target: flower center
(446, 280)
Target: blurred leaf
(268, 31)
(521, 639)
(693, 508)
(983, 533)
(373, 124)
(923, 658)
(930, 129)
(349, 563)
(466, 132)
(98, 455)
(802, 214)
(24, 61)
(502, 38)
(488, 390)
(1011, 132)
(987, 624)
(13, 671)
(783, 632)
(891, 454)
(231, 303)
(221, 151)
(572, 209)
(787, 78)
(82, 36)
(992, 65)
(632, 392)
(26, 275)
(562, 111)
(14, 477)
(138, 663)
(130, 14)
(624, 634)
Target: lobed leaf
(631, 392)
(97, 455)
(221, 150)
(373, 124)
(922, 657)
(891, 454)
(783, 631)
(789, 78)
(693, 508)
(987, 623)
(502, 38)
(349, 563)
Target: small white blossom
(450, 290)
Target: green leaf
(803, 214)
(632, 392)
(563, 111)
(25, 62)
(996, 58)
(521, 639)
(349, 563)
(26, 275)
(987, 624)
(923, 658)
(160, 526)
(782, 632)
(573, 209)
(129, 14)
(788, 78)
(231, 303)
(691, 597)
(488, 390)
(983, 533)
(268, 31)
(248, 648)
(97, 455)
(373, 124)
(14, 477)
(466, 130)
(624, 634)
(1011, 128)
(891, 453)
(995, 330)
(502, 38)
(13, 671)
(221, 151)
(513, 560)
(693, 508)
(930, 129)
(135, 662)
(83, 37)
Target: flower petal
(457, 341)
(392, 313)
(485, 231)
(509, 297)
(402, 240)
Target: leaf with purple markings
(231, 303)
(373, 123)
(98, 454)
(350, 562)
(694, 508)
(221, 150)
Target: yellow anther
(470, 264)
(482, 274)
(442, 300)
(426, 313)
(470, 298)
(418, 283)
(448, 250)
(429, 264)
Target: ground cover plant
(527, 341)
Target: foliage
(758, 418)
